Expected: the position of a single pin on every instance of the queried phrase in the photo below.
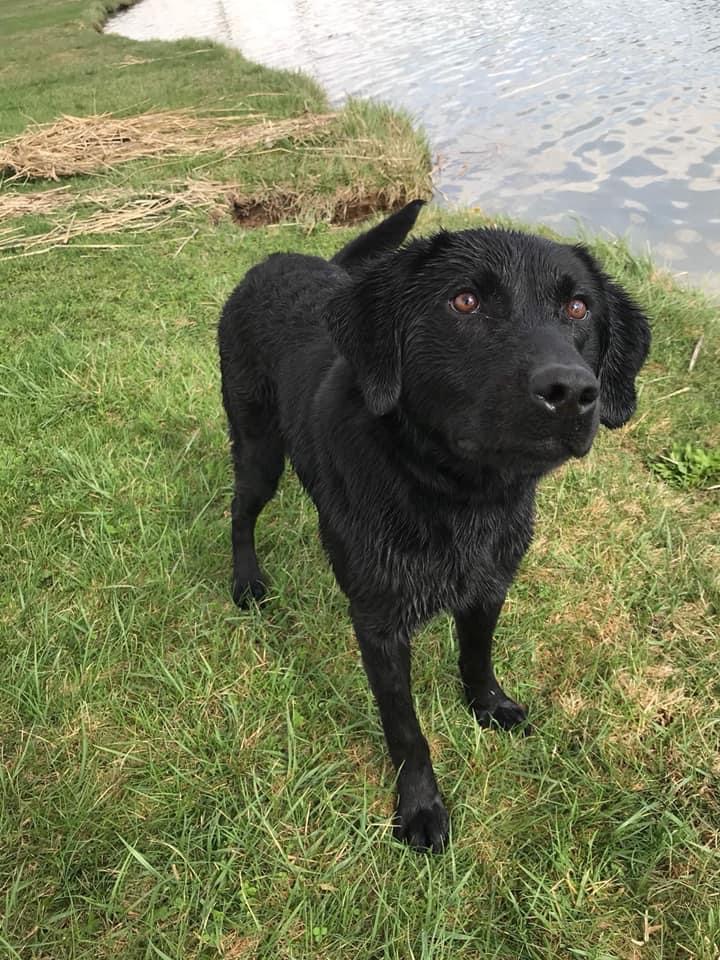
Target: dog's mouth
(579, 439)
(525, 440)
(580, 448)
(544, 453)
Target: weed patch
(689, 467)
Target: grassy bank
(182, 780)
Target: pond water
(569, 112)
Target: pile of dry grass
(119, 210)
(116, 210)
(16, 204)
(79, 145)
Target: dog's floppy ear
(627, 342)
(364, 328)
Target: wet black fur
(420, 433)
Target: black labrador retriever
(420, 393)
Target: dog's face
(508, 348)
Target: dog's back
(274, 312)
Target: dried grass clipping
(121, 210)
(115, 210)
(15, 204)
(79, 145)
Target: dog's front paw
(502, 713)
(424, 828)
(248, 585)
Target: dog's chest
(450, 560)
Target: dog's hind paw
(425, 829)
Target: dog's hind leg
(258, 460)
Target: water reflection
(607, 114)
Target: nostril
(555, 394)
(588, 396)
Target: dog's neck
(427, 457)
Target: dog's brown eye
(465, 302)
(576, 309)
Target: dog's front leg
(487, 699)
(421, 818)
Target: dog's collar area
(426, 456)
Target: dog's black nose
(566, 390)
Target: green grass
(180, 779)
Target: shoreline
(584, 193)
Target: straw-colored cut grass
(113, 210)
(336, 168)
(81, 145)
(21, 204)
(140, 214)
(121, 210)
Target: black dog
(420, 394)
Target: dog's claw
(425, 829)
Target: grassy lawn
(182, 780)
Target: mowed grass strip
(180, 779)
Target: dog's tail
(386, 236)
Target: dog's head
(508, 348)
